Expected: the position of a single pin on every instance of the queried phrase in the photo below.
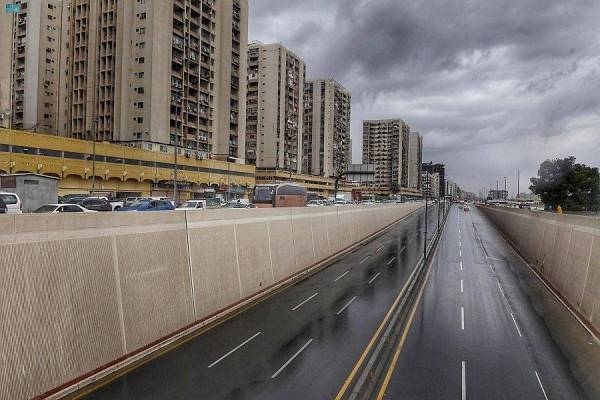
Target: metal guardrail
(366, 385)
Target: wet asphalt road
(507, 350)
(298, 344)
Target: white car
(13, 203)
(61, 208)
(192, 205)
(315, 203)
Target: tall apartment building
(431, 184)
(30, 70)
(385, 144)
(275, 107)
(326, 128)
(151, 71)
(415, 159)
(440, 169)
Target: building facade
(431, 184)
(440, 169)
(385, 144)
(30, 67)
(326, 130)
(275, 107)
(152, 71)
(415, 159)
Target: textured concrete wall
(80, 291)
(564, 249)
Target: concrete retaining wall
(564, 249)
(80, 291)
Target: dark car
(72, 198)
(96, 204)
(149, 205)
(3, 208)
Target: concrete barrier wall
(81, 291)
(564, 249)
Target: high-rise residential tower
(385, 144)
(139, 71)
(415, 159)
(30, 68)
(326, 129)
(275, 107)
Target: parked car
(130, 200)
(12, 202)
(72, 198)
(240, 205)
(61, 208)
(315, 203)
(3, 209)
(96, 204)
(149, 205)
(192, 205)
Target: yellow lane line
(392, 366)
(363, 356)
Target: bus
(279, 195)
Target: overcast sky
(493, 86)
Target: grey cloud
(471, 75)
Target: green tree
(394, 187)
(573, 186)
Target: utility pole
(518, 183)
(505, 188)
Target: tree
(575, 187)
(394, 187)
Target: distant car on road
(61, 208)
(12, 202)
(149, 205)
(96, 204)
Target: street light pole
(425, 240)
(175, 165)
(94, 138)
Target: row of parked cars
(79, 203)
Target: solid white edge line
(375, 277)
(365, 259)
(462, 318)
(341, 276)
(461, 286)
(391, 261)
(232, 351)
(291, 359)
(501, 291)
(304, 302)
(542, 386)
(517, 326)
(463, 382)
(379, 248)
(345, 306)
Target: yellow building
(119, 170)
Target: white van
(13, 203)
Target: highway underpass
(474, 334)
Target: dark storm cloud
(475, 77)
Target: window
(140, 104)
(140, 74)
(140, 90)
(142, 15)
(142, 30)
(141, 45)
(141, 60)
